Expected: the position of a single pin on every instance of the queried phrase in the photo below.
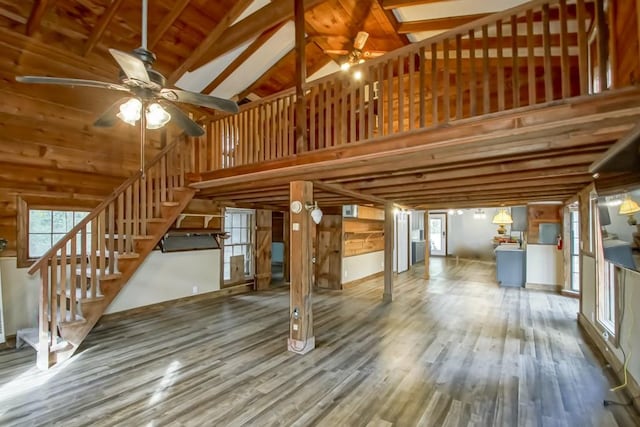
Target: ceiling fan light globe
(345, 66)
(357, 75)
(156, 116)
(316, 215)
(130, 111)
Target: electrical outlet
(345, 274)
(194, 290)
(295, 326)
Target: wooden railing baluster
(502, 61)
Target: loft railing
(533, 54)
(71, 270)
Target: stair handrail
(98, 209)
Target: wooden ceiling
(47, 134)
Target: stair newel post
(43, 320)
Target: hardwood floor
(454, 351)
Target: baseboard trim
(570, 294)
(362, 280)
(232, 290)
(633, 389)
(539, 287)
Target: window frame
(251, 228)
(26, 203)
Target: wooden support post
(427, 245)
(301, 77)
(388, 252)
(286, 262)
(301, 338)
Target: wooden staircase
(87, 268)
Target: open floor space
(456, 350)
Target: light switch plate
(296, 226)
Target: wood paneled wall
(364, 234)
(625, 43)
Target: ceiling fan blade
(69, 82)
(109, 117)
(131, 65)
(360, 40)
(190, 127)
(336, 52)
(199, 99)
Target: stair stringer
(93, 308)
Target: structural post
(301, 77)
(427, 245)
(301, 338)
(388, 252)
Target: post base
(387, 297)
(301, 347)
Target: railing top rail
(96, 211)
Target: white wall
(545, 265)
(168, 276)
(630, 328)
(162, 277)
(359, 266)
(469, 237)
(19, 295)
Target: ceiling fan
(146, 89)
(357, 55)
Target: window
(607, 293)
(46, 227)
(239, 224)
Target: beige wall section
(360, 266)
(162, 277)
(19, 296)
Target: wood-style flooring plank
(456, 350)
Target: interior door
(438, 234)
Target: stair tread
(130, 255)
(157, 220)
(79, 297)
(144, 237)
(113, 276)
(171, 204)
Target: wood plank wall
(364, 234)
(625, 42)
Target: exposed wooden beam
(339, 189)
(394, 4)
(391, 18)
(101, 26)
(438, 24)
(211, 39)
(167, 22)
(40, 7)
(253, 47)
(301, 77)
(276, 12)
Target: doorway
(438, 234)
